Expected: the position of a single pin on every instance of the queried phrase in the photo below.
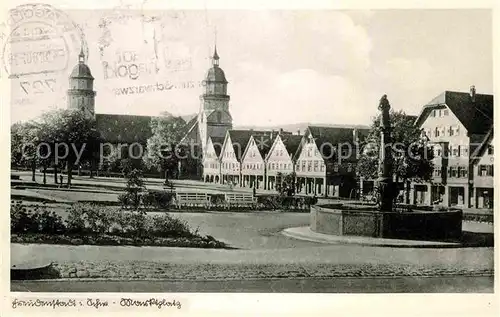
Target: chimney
(298, 131)
(473, 93)
(281, 131)
(355, 135)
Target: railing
(240, 199)
(192, 200)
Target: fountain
(384, 220)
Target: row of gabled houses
(459, 127)
(251, 158)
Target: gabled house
(455, 124)
(326, 160)
(252, 161)
(280, 158)
(482, 165)
(235, 144)
(211, 160)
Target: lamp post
(384, 181)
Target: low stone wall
(335, 220)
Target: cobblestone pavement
(155, 270)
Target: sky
(283, 67)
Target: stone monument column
(384, 181)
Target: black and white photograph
(265, 150)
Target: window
(450, 131)
(439, 111)
(463, 172)
(465, 151)
(490, 149)
(437, 171)
(322, 167)
(456, 151)
(309, 153)
(315, 166)
(336, 167)
(272, 166)
(436, 132)
(453, 172)
(485, 170)
(309, 166)
(446, 112)
(303, 166)
(433, 113)
(349, 167)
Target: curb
(311, 236)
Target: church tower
(214, 118)
(81, 94)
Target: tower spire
(81, 56)
(215, 58)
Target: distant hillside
(295, 127)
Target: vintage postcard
(287, 158)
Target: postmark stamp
(42, 43)
(151, 61)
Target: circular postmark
(42, 43)
(42, 40)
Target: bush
(75, 221)
(38, 220)
(155, 199)
(168, 226)
(283, 202)
(138, 224)
(21, 220)
(89, 218)
(49, 222)
(99, 219)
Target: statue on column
(386, 187)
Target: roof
(192, 124)
(117, 128)
(81, 70)
(476, 116)
(240, 139)
(478, 153)
(264, 142)
(217, 143)
(334, 136)
(291, 142)
(216, 74)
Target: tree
(73, 130)
(412, 156)
(24, 142)
(167, 132)
(287, 184)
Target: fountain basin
(367, 221)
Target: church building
(212, 122)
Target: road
(453, 284)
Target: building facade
(326, 160)
(455, 124)
(280, 161)
(483, 168)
